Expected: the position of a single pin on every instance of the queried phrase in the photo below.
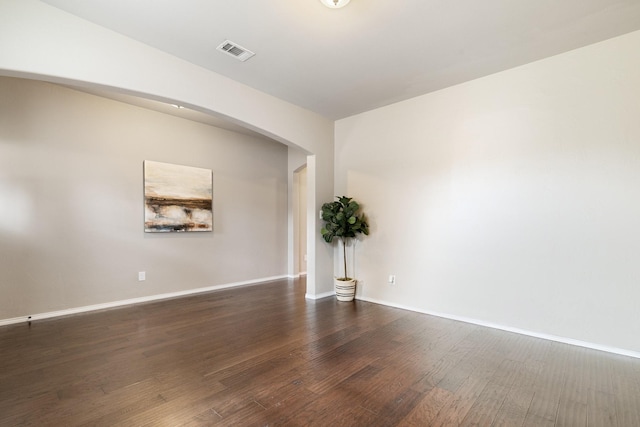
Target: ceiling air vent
(235, 50)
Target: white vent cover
(235, 50)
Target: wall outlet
(142, 276)
(392, 279)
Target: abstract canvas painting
(177, 198)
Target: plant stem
(344, 253)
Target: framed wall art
(177, 198)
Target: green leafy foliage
(342, 221)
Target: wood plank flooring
(263, 355)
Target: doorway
(300, 220)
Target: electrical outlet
(392, 279)
(142, 276)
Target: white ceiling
(339, 62)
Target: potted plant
(342, 221)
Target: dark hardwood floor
(262, 355)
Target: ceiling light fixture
(335, 4)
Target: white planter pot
(345, 289)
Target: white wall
(71, 202)
(42, 42)
(512, 200)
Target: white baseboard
(95, 307)
(563, 340)
(77, 310)
(319, 296)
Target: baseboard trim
(319, 296)
(121, 303)
(564, 340)
(159, 297)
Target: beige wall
(41, 42)
(509, 200)
(512, 200)
(71, 206)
